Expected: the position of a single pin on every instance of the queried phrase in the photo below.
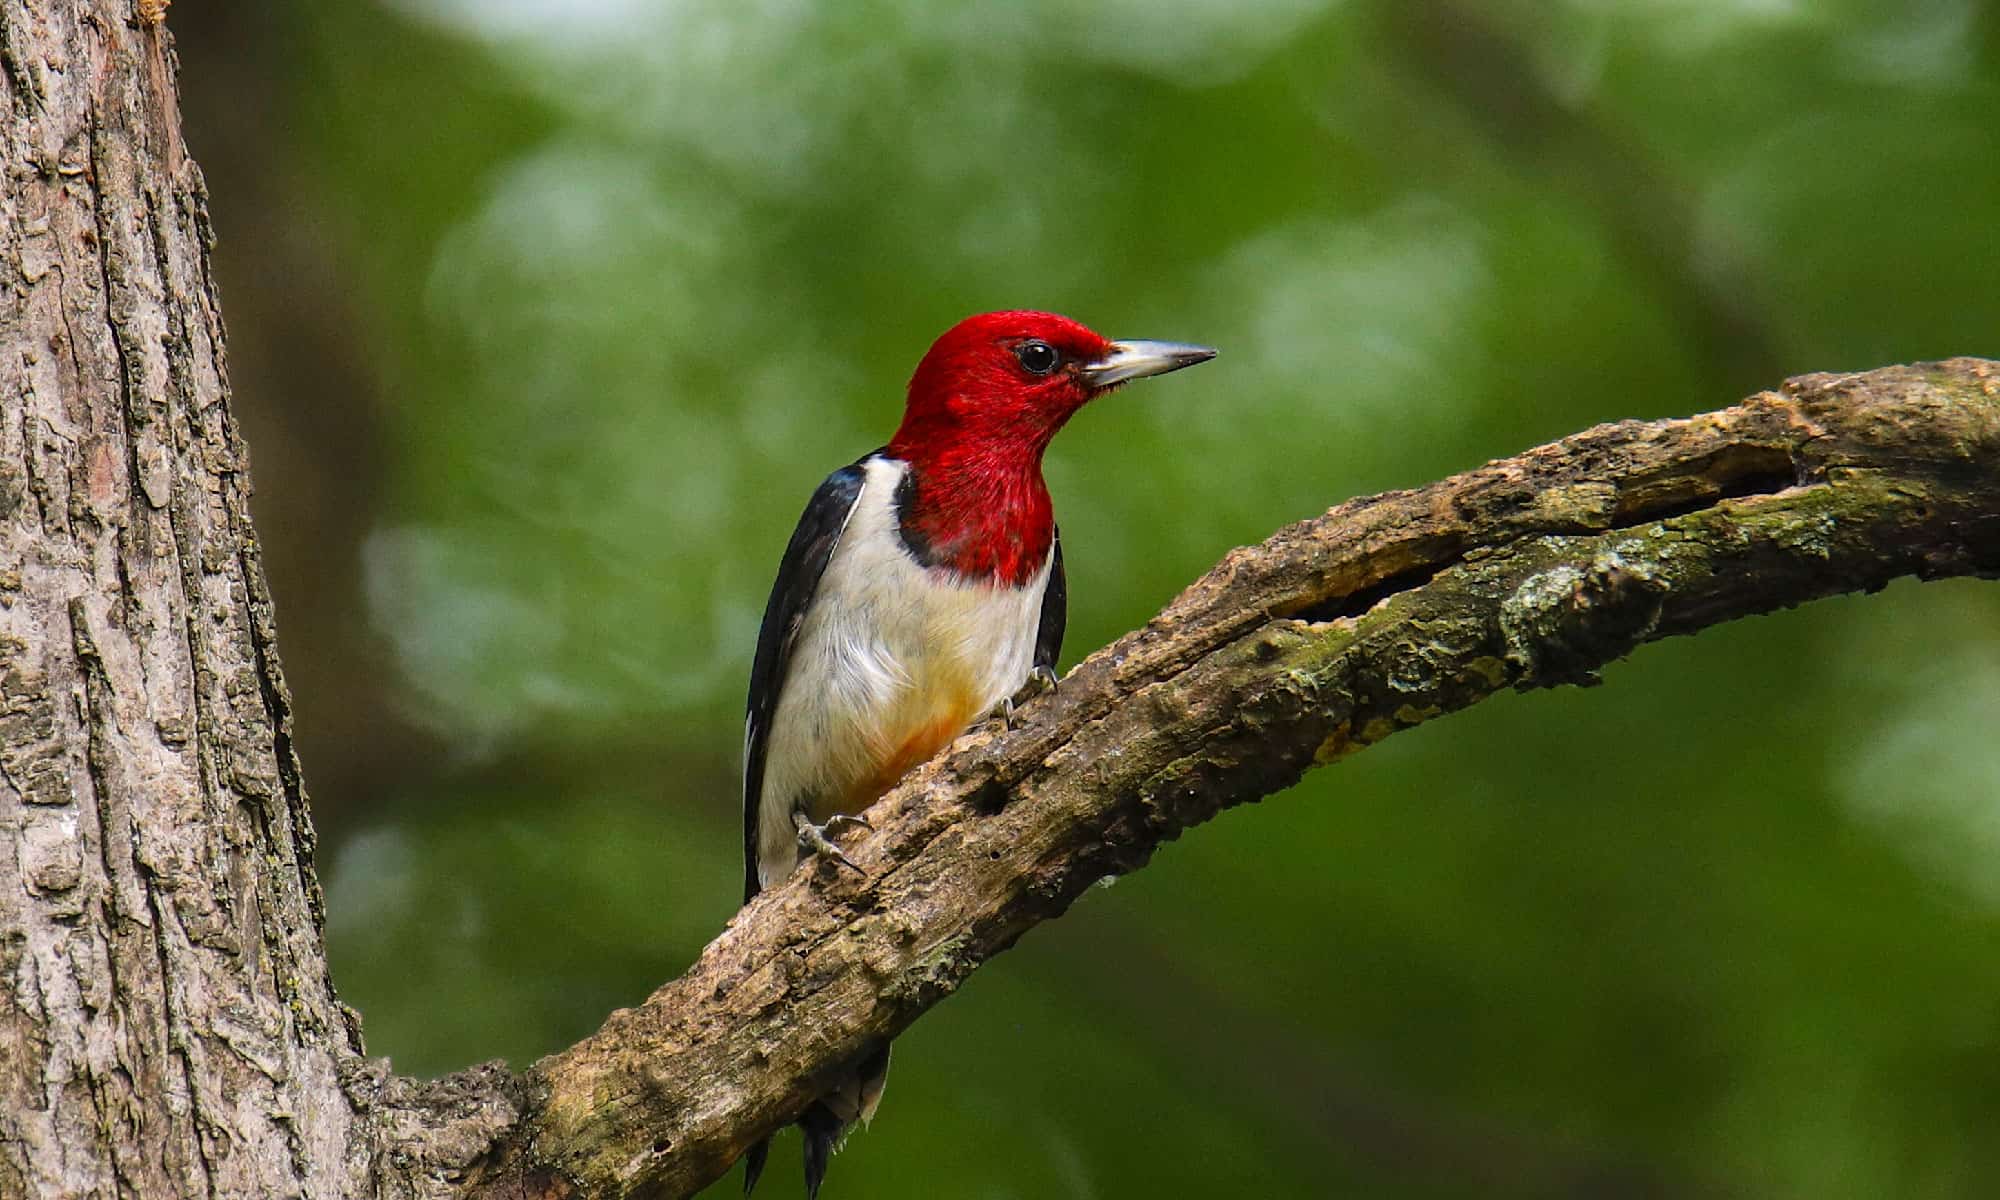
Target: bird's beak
(1136, 360)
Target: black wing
(1055, 612)
(798, 578)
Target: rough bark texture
(169, 1028)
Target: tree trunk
(171, 1027)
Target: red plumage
(973, 432)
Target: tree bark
(171, 1027)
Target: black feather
(1055, 610)
(914, 542)
(822, 1130)
(753, 1163)
(798, 579)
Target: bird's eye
(1037, 357)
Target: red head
(983, 405)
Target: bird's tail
(827, 1123)
(753, 1163)
(823, 1129)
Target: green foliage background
(548, 316)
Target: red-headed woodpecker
(922, 589)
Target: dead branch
(1387, 611)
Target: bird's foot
(1041, 681)
(818, 839)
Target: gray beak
(1136, 360)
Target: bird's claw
(1003, 712)
(1041, 681)
(816, 839)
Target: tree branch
(1387, 611)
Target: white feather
(889, 651)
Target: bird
(922, 592)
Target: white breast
(894, 659)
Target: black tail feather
(753, 1164)
(822, 1131)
